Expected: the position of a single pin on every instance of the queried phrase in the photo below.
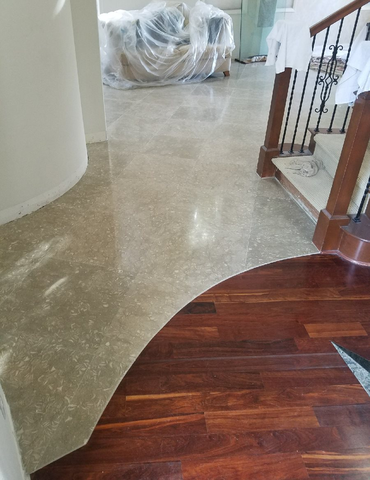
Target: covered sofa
(163, 44)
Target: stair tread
(332, 145)
(315, 189)
(360, 230)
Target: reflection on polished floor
(169, 206)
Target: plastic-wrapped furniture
(162, 44)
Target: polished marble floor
(169, 206)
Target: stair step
(359, 230)
(329, 148)
(355, 242)
(314, 189)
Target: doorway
(258, 18)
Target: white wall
(86, 37)
(10, 460)
(315, 10)
(232, 7)
(42, 140)
(110, 5)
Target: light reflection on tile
(169, 206)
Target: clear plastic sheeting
(162, 44)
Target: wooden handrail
(336, 16)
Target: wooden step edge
(302, 201)
(355, 242)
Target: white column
(42, 140)
(10, 459)
(86, 35)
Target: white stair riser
(329, 161)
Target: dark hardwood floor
(244, 383)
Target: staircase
(312, 193)
(302, 104)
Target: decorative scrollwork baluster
(329, 78)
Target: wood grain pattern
(261, 419)
(343, 415)
(194, 382)
(285, 467)
(333, 330)
(145, 471)
(239, 364)
(353, 465)
(189, 424)
(154, 406)
(317, 377)
(244, 384)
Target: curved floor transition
(169, 206)
(244, 383)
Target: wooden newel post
(270, 149)
(328, 231)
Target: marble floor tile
(178, 146)
(203, 114)
(188, 129)
(169, 206)
(114, 110)
(227, 147)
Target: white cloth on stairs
(306, 166)
(290, 46)
(356, 78)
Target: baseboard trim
(40, 201)
(96, 137)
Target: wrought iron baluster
(301, 102)
(288, 112)
(330, 78)
(352, 38)
(343, 129)
(357, 218)
(330, 129)
(315, 89)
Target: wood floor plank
(189, 424)
(145, 471)
(333, 330)
(323, 345)
(285, 467)
(200, 447)
(268, 330)
(355, 437)
(198, 307)
(261, 419)
(309, 377)
(194, 382)
(350, 464)
(158, 350)
(193, 333)
(236, 364)
(157, 406)
(343, 415)
(303, 312)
